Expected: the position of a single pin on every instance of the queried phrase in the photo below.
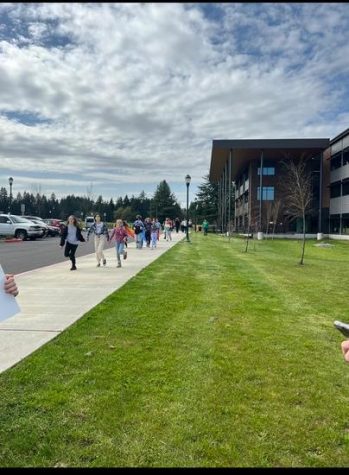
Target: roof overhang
(243, 151)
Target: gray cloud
(135, 93)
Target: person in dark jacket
(71, 236)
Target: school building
(251, 177)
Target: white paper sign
(8, 303)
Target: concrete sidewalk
(52, 298)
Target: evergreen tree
(207, 201)
(164, 203)
(4, 200)
(126, 201)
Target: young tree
(298, 194)
(275, 212)
(268, 215)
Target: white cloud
(134, 93)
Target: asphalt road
(18, 257)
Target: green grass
(210, 357)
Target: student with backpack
(147, 230)
(138, 228)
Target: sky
(112, 98)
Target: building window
(345, 223)
(345, 190)
(336, 161)
(266, 170)
(335, 190)
(345, 156)
(335, 223)
(267, 193)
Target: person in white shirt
(100, 230)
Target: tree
(275, 212)
(207, 200)
(164, 203)
(268, 213)
(4, 201)
(297, 187)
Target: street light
(10, 180)
(187, 182)
(196, 213)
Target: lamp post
(196, 214)
(10, 180)
(187, 182)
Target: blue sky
(110, 99)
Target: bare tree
(275, 212)
(298, 194)
(252, 227)
(268, 216)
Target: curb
(13, 240)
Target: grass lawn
(209, 357)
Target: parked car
(53, 222)
(89, 220)
(19, 227)
(49, 230)
(58, 224)
(39, 222)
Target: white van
(89, 220)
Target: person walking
(138, 228)
(205, 226)
(119, 234)
(154, 229)
(71, 236)
(168, 229)
(158, 225)
(100, 229)
(177, 224)
(147, 230)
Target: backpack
(138, 229)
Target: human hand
(10, 285)
(345, 350)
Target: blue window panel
(267, 193)
(267, 171)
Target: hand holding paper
(8, 303)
